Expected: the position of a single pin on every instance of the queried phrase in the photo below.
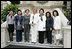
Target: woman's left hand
(23, 27)
(50, 28)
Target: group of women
(35, 26)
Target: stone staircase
(38, 45)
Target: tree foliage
(6, 10)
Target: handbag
(58, 36)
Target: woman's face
(55, 13)
(34, 11)
(19, 12)
(11, 12)
(27, 11)
(41, 11)
(48, 14)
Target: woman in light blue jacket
(10, 24)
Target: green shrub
(5, 11)
(67, 11)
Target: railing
(4, 35)
(67, 36)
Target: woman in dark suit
(19, 25)
(49, 27)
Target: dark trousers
(11, 30)
(26, 32)
(49, 36)
(41, 36)
(18, 35)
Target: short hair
(56, 12)
(11, 10)
(26, 10)
(49, 14)
(42, 10)
(20, 11)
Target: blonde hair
(35, 9)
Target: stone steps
(14, 37)
(36, 45)
(45, 45)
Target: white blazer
(42, 24)
(57, 22)
(33, 30)
(35, 20)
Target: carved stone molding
(42, 2)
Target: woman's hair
(42, 10)
(20, 11)
(35, 9)
(56, 12)
(26, 10)
(49, 14)
(11, 10)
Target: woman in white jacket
(41, 25)
(34, 22)
(57, 25)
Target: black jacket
(49, 23)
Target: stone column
(4, 35)
(67, 36)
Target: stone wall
(48, 6)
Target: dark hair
(11, 10)
(56, 12)
(42, 10)
(20, 11)
(49, 14)
(26, 10)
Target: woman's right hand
(50, 28)
(14, 27)
(31, 24)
